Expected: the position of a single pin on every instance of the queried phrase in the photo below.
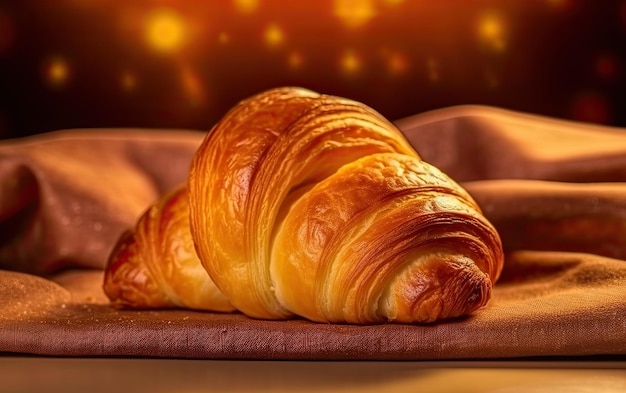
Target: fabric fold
(67, 196)
(484, 143)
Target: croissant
(301, 204)
(316, 206)
(156, 266)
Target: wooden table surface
(92, 375)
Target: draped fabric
(555, 190)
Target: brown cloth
(555, 190)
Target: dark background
(183, 63)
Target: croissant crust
(156, 266)
(316, 206)
(307, 205)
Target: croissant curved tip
(454, 287)
(127, 281)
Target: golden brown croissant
(313, 205)
(156, 266)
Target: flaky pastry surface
(316, 206)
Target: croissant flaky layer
(310, 205)
(392, 238)
(156, 266)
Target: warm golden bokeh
(183, 63)
(165, 30)
(354, 13)
(57, 71)
(273, 35)
(223, 38)
(350, 63)
(246, 6)
(491, 30)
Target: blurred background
(183, 63)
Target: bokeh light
(165, 30)
(560, 5)
(273, 35)
(246, 6)
(183, 63)
(128, 81)
(432, 69)
(350, 62)
(56, 71)
(354, 13)
(606, 67)
(295, 60)
(7, 31)
(397, 63)
(193, 86)
(223, 38)
(491, 31)
(592, 107)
